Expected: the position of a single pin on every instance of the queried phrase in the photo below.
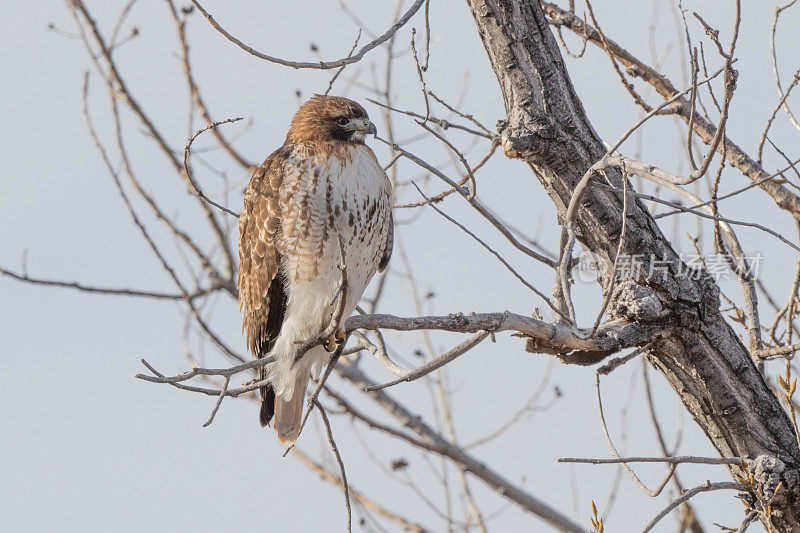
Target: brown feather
(262, 296)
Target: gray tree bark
(702, 358)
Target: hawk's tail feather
(288, 413)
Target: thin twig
(778, 11)
(194, 90)
(335, 450)
(438, 362)
(476, 204)
(420, 75)
(104, 290)
(435, 442)
(781, 103)
(187, 168)
(442, 123)
(615, 453)
(341, 69)
(708, 486)
(493, 252)
(608, 290)
(360, 497)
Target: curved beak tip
(372, 129)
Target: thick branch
(702, 358)
(610, 336)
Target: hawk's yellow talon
(339, 335)
(333, 342)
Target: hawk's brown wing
(262, 296)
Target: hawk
(323, 187)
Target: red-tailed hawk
(323, 184)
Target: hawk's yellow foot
(335, 340)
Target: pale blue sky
(86, 447)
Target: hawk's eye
(343, 121)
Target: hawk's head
(330, 118)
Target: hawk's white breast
(323, 196)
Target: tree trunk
(703, 359)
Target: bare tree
(654, 303)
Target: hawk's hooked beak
(367, 127)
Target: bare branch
(335, 450)
(324, 65)
(669, 460)
(186, 155)
(610, 336)
(708, 486)
(104, 290)
(439, 362)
